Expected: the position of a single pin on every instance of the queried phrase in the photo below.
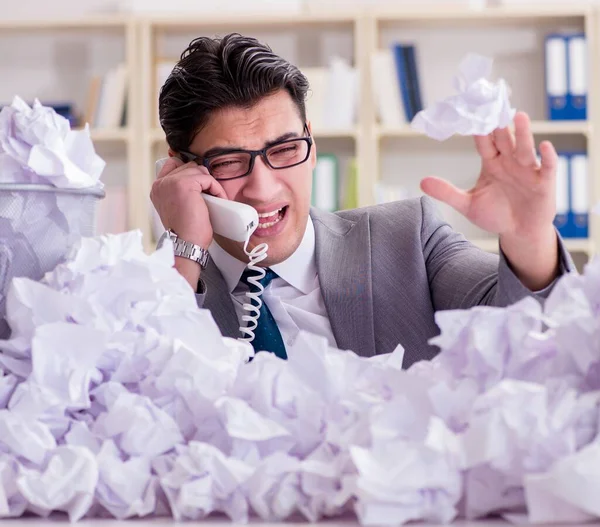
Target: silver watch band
(188, 250)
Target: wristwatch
(187, 249)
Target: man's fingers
(486, 147)
(525, 145)
(214, 188)
(549, 159)
(504, 141)
(446, 192)
(194, 178)
(171, 164)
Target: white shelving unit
(400, 154)
(119, 143)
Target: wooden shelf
(459, 12)
(109, 134)
(251, 19)
(335, 134)
(581, 245)
(537, 127)
(99, 22)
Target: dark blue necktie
(267, 336)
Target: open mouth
(268, 220)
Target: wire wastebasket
(38, 226)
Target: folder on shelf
(341, 95)
(556, 77)
(325, 188)
(414, 88)
(577, 77)
(350, 200)
(315, 99)
(561, 220)
(578, 171)
(386, 89)
(404, 81)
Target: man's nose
(261, 182)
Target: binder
(579, 195)
(414, 88)
(561, 220)
(325, 188)
(556, 77)
(404, 81)
(386, 89)
(577, 77)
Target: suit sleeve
(461, 275)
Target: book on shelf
(395, 84)
(326, 183)
(566, 76)
(350, 188)
(332, 99)
(572, 195)
(107, 99)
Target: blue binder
(563, 196)
(556, 65)
(579, 195)
(403, 81)
(577, 76)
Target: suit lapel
(343, 255)
(219, 301)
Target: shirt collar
(299, 270)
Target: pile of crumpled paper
(121, 398)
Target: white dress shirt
(294, 297)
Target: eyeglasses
(239, 163)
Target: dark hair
(216, 73)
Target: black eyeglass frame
(205, 161)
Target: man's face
(283, 196)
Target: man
(366, 279)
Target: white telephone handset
(228, 218)
(237, 221)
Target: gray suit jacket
(384, 271)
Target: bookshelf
(512, 35)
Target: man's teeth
(267, 224)
(269, 214)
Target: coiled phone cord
(256, 255)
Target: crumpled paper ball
(120, 398)
(38, 146)
(478, 108)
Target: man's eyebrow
(225, 149)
